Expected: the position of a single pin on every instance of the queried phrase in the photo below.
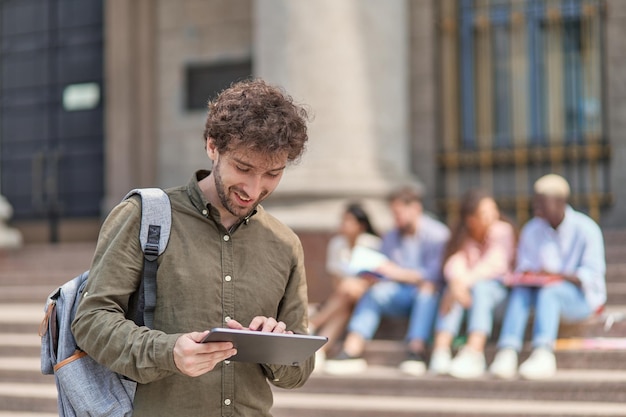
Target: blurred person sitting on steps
(565, 248)
(480, 252)
(355, 230)
(409, 287)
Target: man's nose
(253, 187)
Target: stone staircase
(590, 381)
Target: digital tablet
(269, 348)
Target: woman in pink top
(479, 254)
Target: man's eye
(242, 169)
(273, 174)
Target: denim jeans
(389, 298)
(552, 303)
(488, 297)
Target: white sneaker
(440, 361)
(345, 364)
(504, 364)
(414, 364)
(541, 364)
(467, 364)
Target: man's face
(244, 179)
(406, 215)
(549, 208)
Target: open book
(530, 279)
(365, 261)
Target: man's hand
(193, 358)
(262, 324)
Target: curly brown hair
(253, 115)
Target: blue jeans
(551, 303)
(488, 297)
(389, 298)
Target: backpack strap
(156, 224)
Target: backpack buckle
(151, 251)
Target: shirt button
(226, 362)
(204, 212)
(227, 278)
(227, 319)
(227, 401)
(226, 238)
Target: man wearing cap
(560, 243)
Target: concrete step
(614, 237)
(334, 405)
(31, 399)
(567, 385)
(385, 391)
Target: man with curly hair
(228, 264)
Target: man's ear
(211, 149)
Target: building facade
(451, 94)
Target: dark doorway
(51, 108)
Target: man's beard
(226, 203)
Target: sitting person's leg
(447, 327)
(384, 298)
(486, 297)
(332, 318)
(562, 300)
(421, 323)
(521, 300)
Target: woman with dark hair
(480, 252)
(355, 230)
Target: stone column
(348, 61)
(130, 145)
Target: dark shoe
(415, 364)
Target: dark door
(51, 108)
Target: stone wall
(192, 32)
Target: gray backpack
(85, 387)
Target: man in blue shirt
(409, 287)
(566, 247)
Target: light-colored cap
(552, 185)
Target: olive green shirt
(206, 276)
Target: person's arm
(495, 260)
(527, 259)
(395, 272)
(456, 266)
(592, 269)
(434, 247)
(293, 312)
(100, 326)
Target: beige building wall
(192, 32)
(367, 69)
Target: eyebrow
(239, 161)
